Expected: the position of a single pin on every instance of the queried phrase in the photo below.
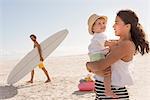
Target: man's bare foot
(111, 94)
(30, 81)
(47, 81)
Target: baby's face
(99, 25)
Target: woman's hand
(103, 73)
(88, 67)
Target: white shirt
(121, 75)
(97, 44)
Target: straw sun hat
(92, 20)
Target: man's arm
(39, 51)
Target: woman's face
(99, 25)
(119, 26)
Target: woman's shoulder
(127, 47)
(124, 50)
(124, 47)
(126, 43)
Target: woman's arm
(118, 52)
(106, 72)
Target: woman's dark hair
(33, 36)
(137, 33)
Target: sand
(65, 73)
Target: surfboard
(32, 59)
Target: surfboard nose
(64, 31)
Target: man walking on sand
(41, 65)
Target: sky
(20, 18)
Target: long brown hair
(137, 33)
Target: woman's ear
(128, 26)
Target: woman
(132, 40)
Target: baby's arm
(111, 43)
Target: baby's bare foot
(111, 94)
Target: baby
(97, 49)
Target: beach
(65, 73)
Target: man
(41, 65)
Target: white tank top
(121, 76)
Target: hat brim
(90, 27)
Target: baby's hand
(111, 43)
(108, 43)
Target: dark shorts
(121, 92)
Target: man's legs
(46, 73)
(32, 75)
